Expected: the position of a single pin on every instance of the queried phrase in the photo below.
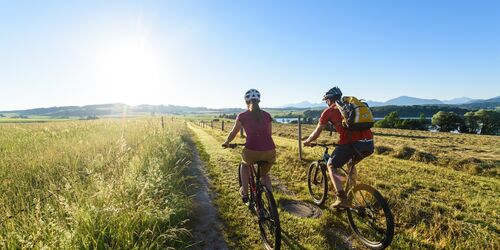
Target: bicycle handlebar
(325, 145)
(233, 145)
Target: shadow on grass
(289, 241)
(337, 233)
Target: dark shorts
(343, 153)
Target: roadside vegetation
(435, 207)
(116, 184)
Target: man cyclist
(349, 142)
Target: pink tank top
(257, 132)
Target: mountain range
(120, 109)
(403, 101)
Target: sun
(129, 69)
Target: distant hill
(494, 99)
(117, 109)
(460, 100)
(408, 100)
(301, 105)
(374, 103)
(491, 103)
(428, 106)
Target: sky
(208, 53)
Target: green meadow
(437, 204)
(123, 184)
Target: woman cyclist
(259, 146)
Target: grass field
(435, 207)
(476, 154)
(115, 184)
(29, 120)
(122, 184)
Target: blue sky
(208, 53)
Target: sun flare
(128, 68)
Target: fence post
(212, 124)
(162, 124)
(222, 125)
(300, 138)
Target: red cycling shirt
(332, 114)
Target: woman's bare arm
(236, 128)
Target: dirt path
(207, 227)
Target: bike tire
(269, 222)
(317, 182)
(362, 212)
(239, 175)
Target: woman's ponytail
(255, 109)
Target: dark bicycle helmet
(334, 93)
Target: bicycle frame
(268, 218)
(361, 198)
(347, 172)
(254, 182)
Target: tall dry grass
(93, 184)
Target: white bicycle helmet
(252, 94)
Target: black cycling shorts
(343, 153)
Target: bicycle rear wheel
(370, 218)
(239, 174)
(317, 182)
(269, 222)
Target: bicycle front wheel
(370, 217)
(317, 182)
(269, 222)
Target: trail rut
(205, 221)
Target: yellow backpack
(356, 114)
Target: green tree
(489, 121)
(381, 124)
(392, 119)
(471, 122)
(447, 121)
(389, 121)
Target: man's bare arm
(315, 134)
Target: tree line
(403, 111)
(485, 122)
(444, 118)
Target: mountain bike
(261, 203)
(369, 215)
